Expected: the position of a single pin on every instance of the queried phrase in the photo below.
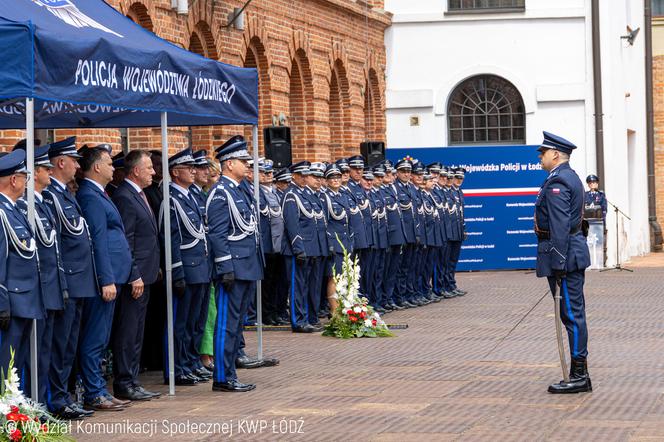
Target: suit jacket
(113, 259)
(20, 291)
(51, 274)
(234, 248)
(75, 243)
(141, 231)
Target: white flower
(347, 304)
(367, 322)
(4, 408)
(357, 309)
(364, 308)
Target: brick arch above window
(201, 41)
(486, 109)
(140, 14)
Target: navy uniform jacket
(452, 215)
(189, 251)
(200, 197)
(439, 200)
(276, 220)
(598, 199)
(461, 207)
(265, 221)
(75, 243)
(321, 221)
(141, 231)
(360, 240)
(233, 231)
(381, 241)
(300, 234)
(337, 208)
(51, 275)
(113, 260)
(408, 211)
(20, 291)
(359, 195)
(558, 215)
(395, 230)
(420, 233)
(431, 220)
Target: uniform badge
(555, 190)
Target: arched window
(486, 109)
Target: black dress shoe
(69, 414)
(394, 306)
(283, 321)
(387, 307)
(448, 295)
(232, 386)
(203, 373)
(209, 367)
(579, 380)
(131, 394)
(318, 327)
(247, 362)
(304, 329)
(380, 310)
(78, 407)
(198, 379)
(270, 362)
(152, 394)
(458, 292)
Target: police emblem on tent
(66, 11)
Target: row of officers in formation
(86, 268)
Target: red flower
(353, 319)
(363, 315)
(16, 435)
(12, 416)
(373, 322)
(349, 312)
(14, 409)
(44, 428)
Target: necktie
(145, 201)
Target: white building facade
(534, 61)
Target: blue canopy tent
(82, 64)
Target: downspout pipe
(597, 91)
(655, 228)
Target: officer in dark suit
(238, 260)
(142, 233)
(51, 276)
(300, 241)
(395, 236)
(562, 252)
(114, 267)
(20, 290)
(79, 269)
(191, 270)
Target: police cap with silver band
(404, 164)
(265, 166)
(13, 162)
(332, 171)
(356, 162)
(418, 168)
(118, 160)
(379, 170)
(592, 178)
(342, 164)
(302, 168)
(367, 173)
(66, 147)
(317, 169)
(200, 156)
(23, 144)
(41, 153)
(459, 172)
(233, 149)
(435, 168)
(284, 175)
(182, 158)
(552, 141)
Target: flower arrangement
(353, 317)
(22, 419)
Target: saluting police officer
(80, 274)
(20, 291)
(191, 272)
(562, 252)
(238, 259)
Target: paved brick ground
(461, 371)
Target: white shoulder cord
(334, 215)
(301, 207)
(198, 234)
(46, 240)
(73, 229)
(25, 251)
(246, 228)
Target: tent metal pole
(259, 289)
(166, 206)
(30, 161)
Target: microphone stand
(617, 266)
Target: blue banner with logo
(500, 189)
(90, 66)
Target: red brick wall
(658, 116)
(321, 65)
